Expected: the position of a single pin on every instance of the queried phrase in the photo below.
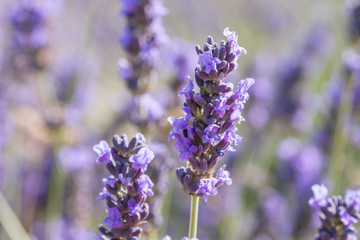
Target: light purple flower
(220, 105)
(211, 135)
(142, 159)
(125, 181)
(352, 197)
(320, 195)
(209, 62)
(104, 194)
(114, 219)
(111, 180)
(232, 39)
(223, 176)
(134, 207)
(179, 123)
(144, 185)
(103, 151)
(140, 137)
(244, 85)
(207, 187)
(184, 146)
(346, 218)
(187, 91)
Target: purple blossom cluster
(127, 188)
(208, 129)
(140, 39)
(337, 214)
(28, 37)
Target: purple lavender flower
(223, 176)
(144, 185)
(114, 219)
(208, 62)
(28, 37)
(127, 188)
(134, 207)
(207, 188)
(337, 215)
(103, 150)
(142, 159)
(140, 39)
(208, 130)
(320, 196)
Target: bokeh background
(61, 93)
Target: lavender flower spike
(337, 215)
(127, 188)
(208, 128)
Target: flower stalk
(194, 209)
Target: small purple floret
(134, 207)
(142, 159)
(207, 61)
(144, 185)
(207, 187)
(103, 151)
(223, 176)
(114, 219)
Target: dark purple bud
(192, 106)
(221, 76)
(194, 163)
(225, 126)
(213, 162)
(206, 47)
(203, 165)
(230, 57)
(213, 74)
(225, 70)
(215, 115)
(216, 52)
(199, 132)
(192, 188)
(104, 230)
(222, 54)
(127, 232)
(222, 144)
(209, 87)
(131, 190)
(203, 76)
(199, 100)
(221, 65)
(132, 144)
(206, 146)
(228, 48)
(207, 110)
(110, 203)
(198, 49)
(187, 180)
(198, 80)
(220, 88)
(209, 121)
(110, 167)
(122, 207)
(200, 150)
(231, 68)
(136, 233)
(132, 173)
(210, 40)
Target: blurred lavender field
(64, 86)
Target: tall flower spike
(208, 130)
(337, 215)
(127, 188)
(28, 37)
(141, 39)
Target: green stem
(193, 216)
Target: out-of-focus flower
(337, 215)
